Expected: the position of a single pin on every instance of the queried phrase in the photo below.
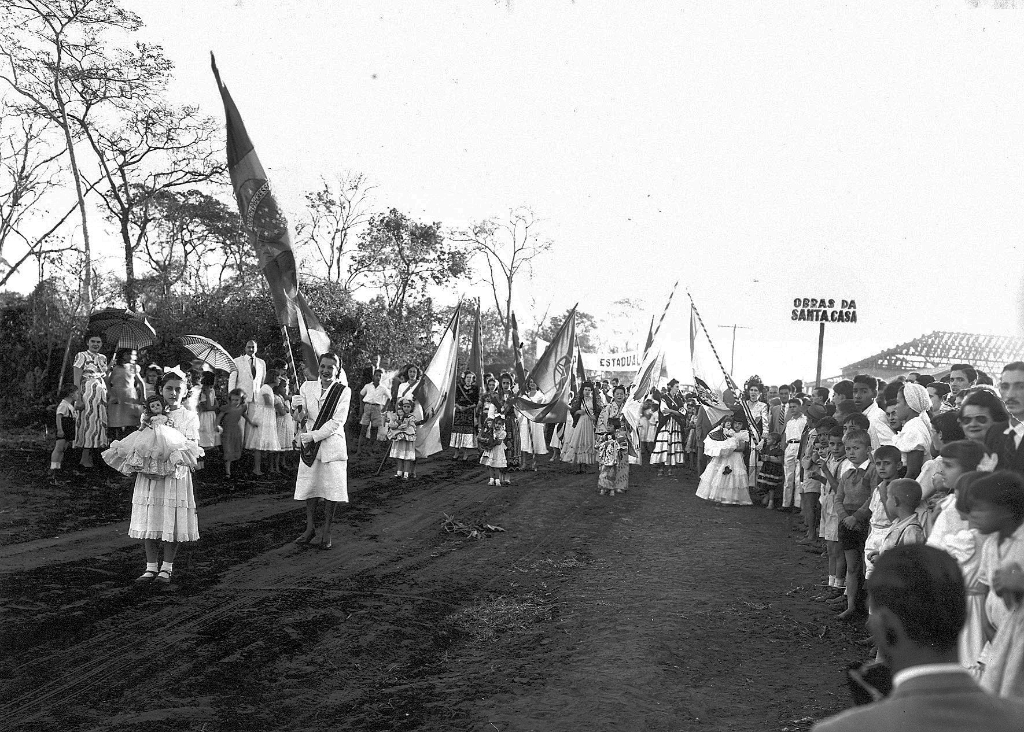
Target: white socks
(54, 466)
(167, 567)
(151, 566)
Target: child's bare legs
(854, 559)
(57, 457)
(840, 561)
(86, 461)
(227, 468)
(257, 462)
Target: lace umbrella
(209, 351)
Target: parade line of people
(869, 465)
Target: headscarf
(916, 397)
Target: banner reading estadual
(621, 361)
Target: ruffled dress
(164, 507)
(669, 448)
(156, 449)
(402, 433)
(464, 419)
(578, 447)
(725, 478)
(492, 443)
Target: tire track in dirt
(102, 665)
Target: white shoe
(490, 481)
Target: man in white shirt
(373, 397)
(865, 392)
(917, 606)
(793, 432)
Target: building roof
(937, 350)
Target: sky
(755, 153)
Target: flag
(262, 218)
(648, 376)
(580, 373)
(315, 341)
(517, 350)
(650, 339)
(435, 393)
(709, 386)
(476, 351)
(553, 376)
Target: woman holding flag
(669, 448)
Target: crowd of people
(873, 468)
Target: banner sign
(621, 361)
(824, 310)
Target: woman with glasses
(979, 412)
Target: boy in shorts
(372, 399)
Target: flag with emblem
(552, 374)
(435, 392)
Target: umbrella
(209, 351)
(129, 329)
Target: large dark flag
(552, 374)
(263, 220)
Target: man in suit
(251, 373)
(777, 414)
(917, 607)
(1006, 439)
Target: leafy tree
(586, 329)
(400, 257)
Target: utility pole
(732, 362)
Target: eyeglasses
(980, 419)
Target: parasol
(209, 351)
(127, 328)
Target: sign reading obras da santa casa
(824, 310)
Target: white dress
(164, 507)
(264, 435)
(285, 427)
(725, 478)
(531, 434)
(327, 477)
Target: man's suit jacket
(1010, 456)
(933, 703)
(777, 419)
(331, 436)
(243, 379)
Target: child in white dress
(402, 433)
(492, 441)
(725, 478)
(262, 437)
(155, 449)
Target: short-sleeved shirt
(915, 435)
(379, 395)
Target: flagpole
(728, 376)
(291, 356)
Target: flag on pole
(476, 351)
(652, 334)
(436, 392)
(650, 339)
(710, 387)
(315, 341)
(648, 376)
(262, 218)
(517, 350)
(553, 375)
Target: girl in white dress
(531, 434)
(725, 478)
(209, 437)
(263, 437)
(492, 443)
(285, 427)
(163, 506)
(402, 433)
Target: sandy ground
(650, 610)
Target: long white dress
(327, 477)
(725, 478)
(531, 434)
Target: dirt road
(653, 610)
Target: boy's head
(888, 460)
(794, 408)
(856, 421)
(772, 439)
(903, 497)
(865, 391)
(857, 445)
(70, 392)
(835, 442)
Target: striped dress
(669, 448)
(91, 430)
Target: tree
(401, 257)
(506, 246)
(154, 150)
(30, 170)
(334, 212)
(57, 59)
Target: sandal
(303, 539)
(147, 576)
(164, 576)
